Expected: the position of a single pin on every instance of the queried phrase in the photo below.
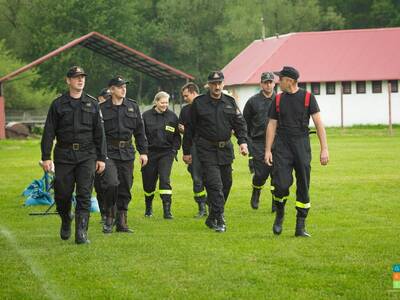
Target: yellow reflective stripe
(259, 187)
(200, 194)
(169, 128)
(303, 205)
(165, 192)
(279, 199)
(272, 188)
(250, 157)
(149, 194)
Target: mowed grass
(354, 222)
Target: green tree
(20, 94)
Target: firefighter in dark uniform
(189, 92)
(122, 120)
(256, 113)
(288, 132)
(213, 117)
(102, 179)
(161, 126)
(74, 120)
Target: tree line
(195, 36)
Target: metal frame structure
(109, 48)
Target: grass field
(354, 222)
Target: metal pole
(341, 105)
(2, 113)
(390, 107)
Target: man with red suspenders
(288, 146)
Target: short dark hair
(191, 87)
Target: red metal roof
(116, 51)
(343, 55)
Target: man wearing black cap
(122, 120)
(256, 113)
(103, 179)
(189, 92)
(74, 120)
(104, 95)
(213, 117)
(288, 131)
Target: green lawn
(354, 222)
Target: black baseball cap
(215, 76)
(117, 81)
(75, 71)
(288, 72)
(104, 93)
(267, 76)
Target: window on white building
(360, 87)
(330, 88)
(394, 85)
(377, 86)
(303, 85)
(316, 88)
(346, 87)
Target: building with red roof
(349, 71)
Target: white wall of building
(368, 108)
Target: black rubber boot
(81, 227)
(109, 221)
(167, 210)
(279, 217)
(65, 230)
(122, 223)
(301, 228)
(149, 207)
(201, 201)
(220, 226)
(255, 198)
(211, 221)
(273, 206)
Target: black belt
(119, 143)
(75, 146)
(219, 144)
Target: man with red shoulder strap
(288, 146)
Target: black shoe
(81, 227)
(220, 226)
(300, 228)
(279, 217)
(211, 223)
(255, 198)
(65, 230)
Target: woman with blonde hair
(161, 127)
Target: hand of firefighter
(100, 166)
(268, 158)
(243, 149)
(324, 157)
(47, 166)
(187, 159)
(143, 159)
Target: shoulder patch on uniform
(131, 109)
